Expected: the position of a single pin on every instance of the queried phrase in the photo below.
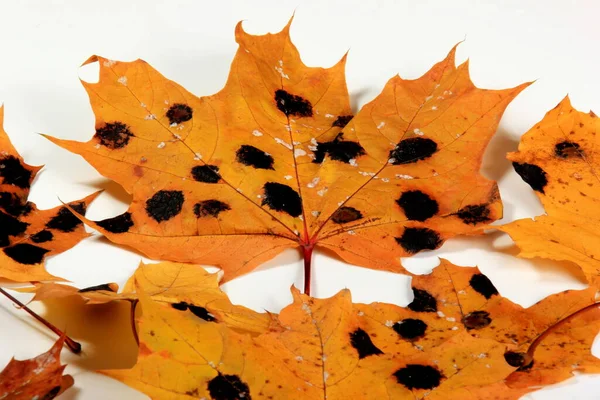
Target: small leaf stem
(74, 346)
(307, 251)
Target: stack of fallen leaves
(277, 160)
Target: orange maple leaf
(277, 160)
(37, 378)
(28, 235)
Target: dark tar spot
(283, 198)
(477, 320)
(165, 204)
(114, 135)
(338, 150)
(516, 359)
(14, 172)
(198, 311)
(567, 149)
(410, 328)
(25, 253)
(361, 341)
(533, 175)
(228, 387)
(483, 285)
(423, 301)
(342, 120)
(412, 150)
(10, 226)
(416, 376)
(119, 224)
(417, 206)
(292, 105)
(343, 215)
(42, 236)
(65, 220)
(104, 286)
(179, 113)
(206, 173)
(414, 240)
(253, 157)
(11, 203)
(210, 208)
(474, 214)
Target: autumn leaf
(557, 158)
(28, 235)
(277, 160)
(183, 287)
(468, 340)
(37, 378)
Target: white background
(508, 42)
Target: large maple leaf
(38, 378)
(557, 158)
(457, 339)
(28, 235)
(277, 160)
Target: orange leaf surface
(277, 160)
(180, 286)
(37, 378)
(469, 341)
(28, 235)
(557, 158)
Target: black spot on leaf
(477, 320)
(165, 204)
(253, 157)
(179, 113)
(567, 149)
(516, 359)
(104, 286)
(417, 206)
(338, 150)
(198, 311)
(11, 203)
(533, 175)
(10, 226)
(483, 285)
(119, 224)
(114, 135)
(361, 341)
(474, 214)
(410, 328)
(283, 198)
(42, 236)
(292, 105)
(342, 120)
(14, 172)
(65, 220)
(206, 173)
(423, 301)
(25, 253)
(210, 208)
(414, 240)
(343, 215)
(412, 150)
(416, 376)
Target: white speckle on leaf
(381, 125)
(322, 192)
(391, 160)
(197, 156)
(299, 358)
(482, 355)
(440, 314)
(143, 105)
(122, 80)
(239, 190)
(417, 131)
(325, 376)
(212, 364)
(313, 183)
(360, 313)
(149, 117)
(280, 70)
(329, 115)
(389, 323)
(109, 63)
(351, 232)
(386, 180)
(173, 125)
(428, 98)
(283, 143)
(450, 319)
(288, 177)
(455, 328)
(403, 176)
(353, 162)
(96, 147)
(299, 152)
(315, 213)
(300, 217)
(434, 108)
(256, 132)
(161, 145)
